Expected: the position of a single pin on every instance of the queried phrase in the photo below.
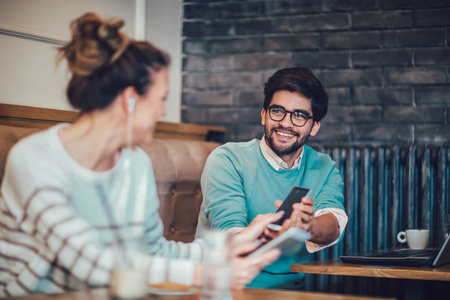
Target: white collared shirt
(274, 160)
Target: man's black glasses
(278, 113)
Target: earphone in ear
(131, 104)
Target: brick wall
(384, 63)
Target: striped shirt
(59, 221)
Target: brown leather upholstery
(178, 165)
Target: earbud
(131, 104)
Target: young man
(243, 180)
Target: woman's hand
(257, 228)
(246, 268)
(246, 241)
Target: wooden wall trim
(42, 118)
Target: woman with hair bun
(68, 189)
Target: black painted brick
(382, 58)
(432, 133)
(194, 11)
(382, 132)
(292, 42)
(430, 75)
(380, 96)
(224, 115)
(413, 37)
(432, 17)
(207, 98)
(195, 46)
(210, 63)
(384, 19)
(352, 77)
(347, 5)
(242, 79)
(207, 28)
(279, 25)
(332, 133)
(261, 26)
(255, 97)
(350, 40)
(235, 115)
(291, 7)
(234, 45)
(438, 56)
(243, 133)
(339, 21)
(402, 4)
(353, 114)
(261, 61)
(432, 94)
(196, 81)
(321, 59)
(232, 10)
(338, 96)
(252, 26)
(413, 114)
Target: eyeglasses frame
(267, 108)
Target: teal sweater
(238, 184)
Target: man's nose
(286, 122)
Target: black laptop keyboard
(406, 253)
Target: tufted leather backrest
(178, 165)
(10, 135)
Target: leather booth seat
(178, 165)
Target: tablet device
(289, 242)
(295, 196)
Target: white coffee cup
(416, 238)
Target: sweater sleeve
(222, 187)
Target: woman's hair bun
(95, 43)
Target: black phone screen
(295, 196)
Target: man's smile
(283, 133)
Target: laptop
(403, 257)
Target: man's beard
(281, 149)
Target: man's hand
(324, 229)
(302, 215)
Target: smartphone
(289, 242)
(295, 196)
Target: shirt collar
(274, 160)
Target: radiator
(387, 190)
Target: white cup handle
(400, 238)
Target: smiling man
(243, 180)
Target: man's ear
(263, 117)
(315, 128)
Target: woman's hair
(300, 80)
(104, 61)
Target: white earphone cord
(131, 104)
(129, 131)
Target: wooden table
(246, 294)
(414, 276)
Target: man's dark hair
(300, 80)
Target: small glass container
(217, 270)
